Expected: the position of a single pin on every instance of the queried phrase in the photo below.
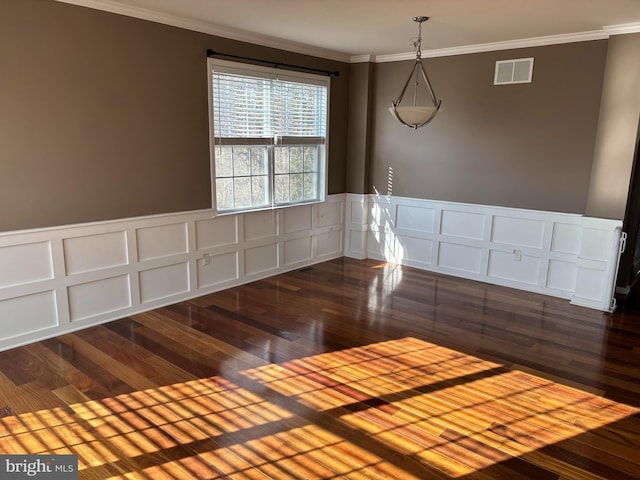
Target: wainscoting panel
(329, 214)
(357, 213)
(591, 247)
(56, 280)
(519, 232)
(297, 250)
(216, 232)
(329, 245)
(221, 269)
(297, 219)
(95, 252)
(501, 265)
(260, 225)
(564, 255)
(597, 262)
(565, 236)
(101, 297)
(462, 224)
(590, 283)
(28, 263)
(356, 230)
(161, 241)
(414, 250)
(261, 260)
(562, 276)
(463, 258)
(414, 218)
(355, 242)
(164, 282)
(28, 314)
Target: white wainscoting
(563, 255)
(56, 280)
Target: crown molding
(495, 46)
(363, 58)
(209, 28)
(622, 29)
(304, 49)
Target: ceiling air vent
(519, 70)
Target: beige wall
(526, 146)
(360, 112)
(617, 129)
(104, 116)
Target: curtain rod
(211, 53)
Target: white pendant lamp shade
(425, 106)
(414, 115)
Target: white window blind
(269, 136)
(247, 107)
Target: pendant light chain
(418, 43)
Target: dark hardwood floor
(347, 369)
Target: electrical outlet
(206, 259)
(517, 255)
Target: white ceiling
(342, 29)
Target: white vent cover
(519, 70)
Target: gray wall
(525, 146)
(361, 79)
(103, 116)
(617, 129)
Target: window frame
(250, 70)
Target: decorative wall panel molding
(95, 252)
(56, 280)
(162, 241)
(107, 295)
(558, 254)
(26, 263)
(28, 314)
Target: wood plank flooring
(347, 369)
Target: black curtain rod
(211, 53)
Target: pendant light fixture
(424, 105)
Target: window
(269, 136)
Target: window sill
(224, 213)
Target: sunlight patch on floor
(403, 399)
